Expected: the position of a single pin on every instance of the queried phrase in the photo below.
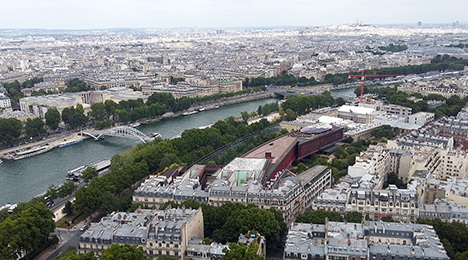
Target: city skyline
(87, 14)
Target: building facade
(157, 232)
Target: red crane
(370, 76)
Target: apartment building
(5, 103)
(374, 161)
(400, 163)
(445, 210)
(401, 205)
(157, 232)
(359, 241)
(239, 182)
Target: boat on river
(27, 152)
(155, 135)
(75, 174)
(190, 113)
(70, 142)
(136, 124)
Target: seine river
(21, 180)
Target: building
(400, 164)
(362, 115)
(5, 104)
(420, 118)
(444, 210)
(401, 205)
(115, 94)
(374, 162)
(39, 105)
(239, 182)
(359, 241)
(157, 232)
(398, 110)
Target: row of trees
(284, 79)
(302, 104)
(394, 48)
(13, 130)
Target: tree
(387, 219)
(108, 202)
(245, 116)
(340, 101)
(281, 112)
(241, 251)
(89, 173)
(34, 127)
(68, 209)
(67, 188)
(52, 117)
(10, 129)
(124, 252)
(353, 216)
(166, 257)
(290, 115)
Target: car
(84, 227)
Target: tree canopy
(124, 252)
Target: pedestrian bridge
(121, 131)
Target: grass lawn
(68, 219)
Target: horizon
(169, 14)
(265, 27)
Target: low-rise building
(398, 110)
(420, 118)
(362, 115)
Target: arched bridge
(121, 131)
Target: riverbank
(53, 142)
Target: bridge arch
(122, 131)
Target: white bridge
(122, 131)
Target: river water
(23, 179)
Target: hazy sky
(87, 14)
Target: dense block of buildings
(157, 232)
(359, 241)
(239, 182)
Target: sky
(101, 14)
